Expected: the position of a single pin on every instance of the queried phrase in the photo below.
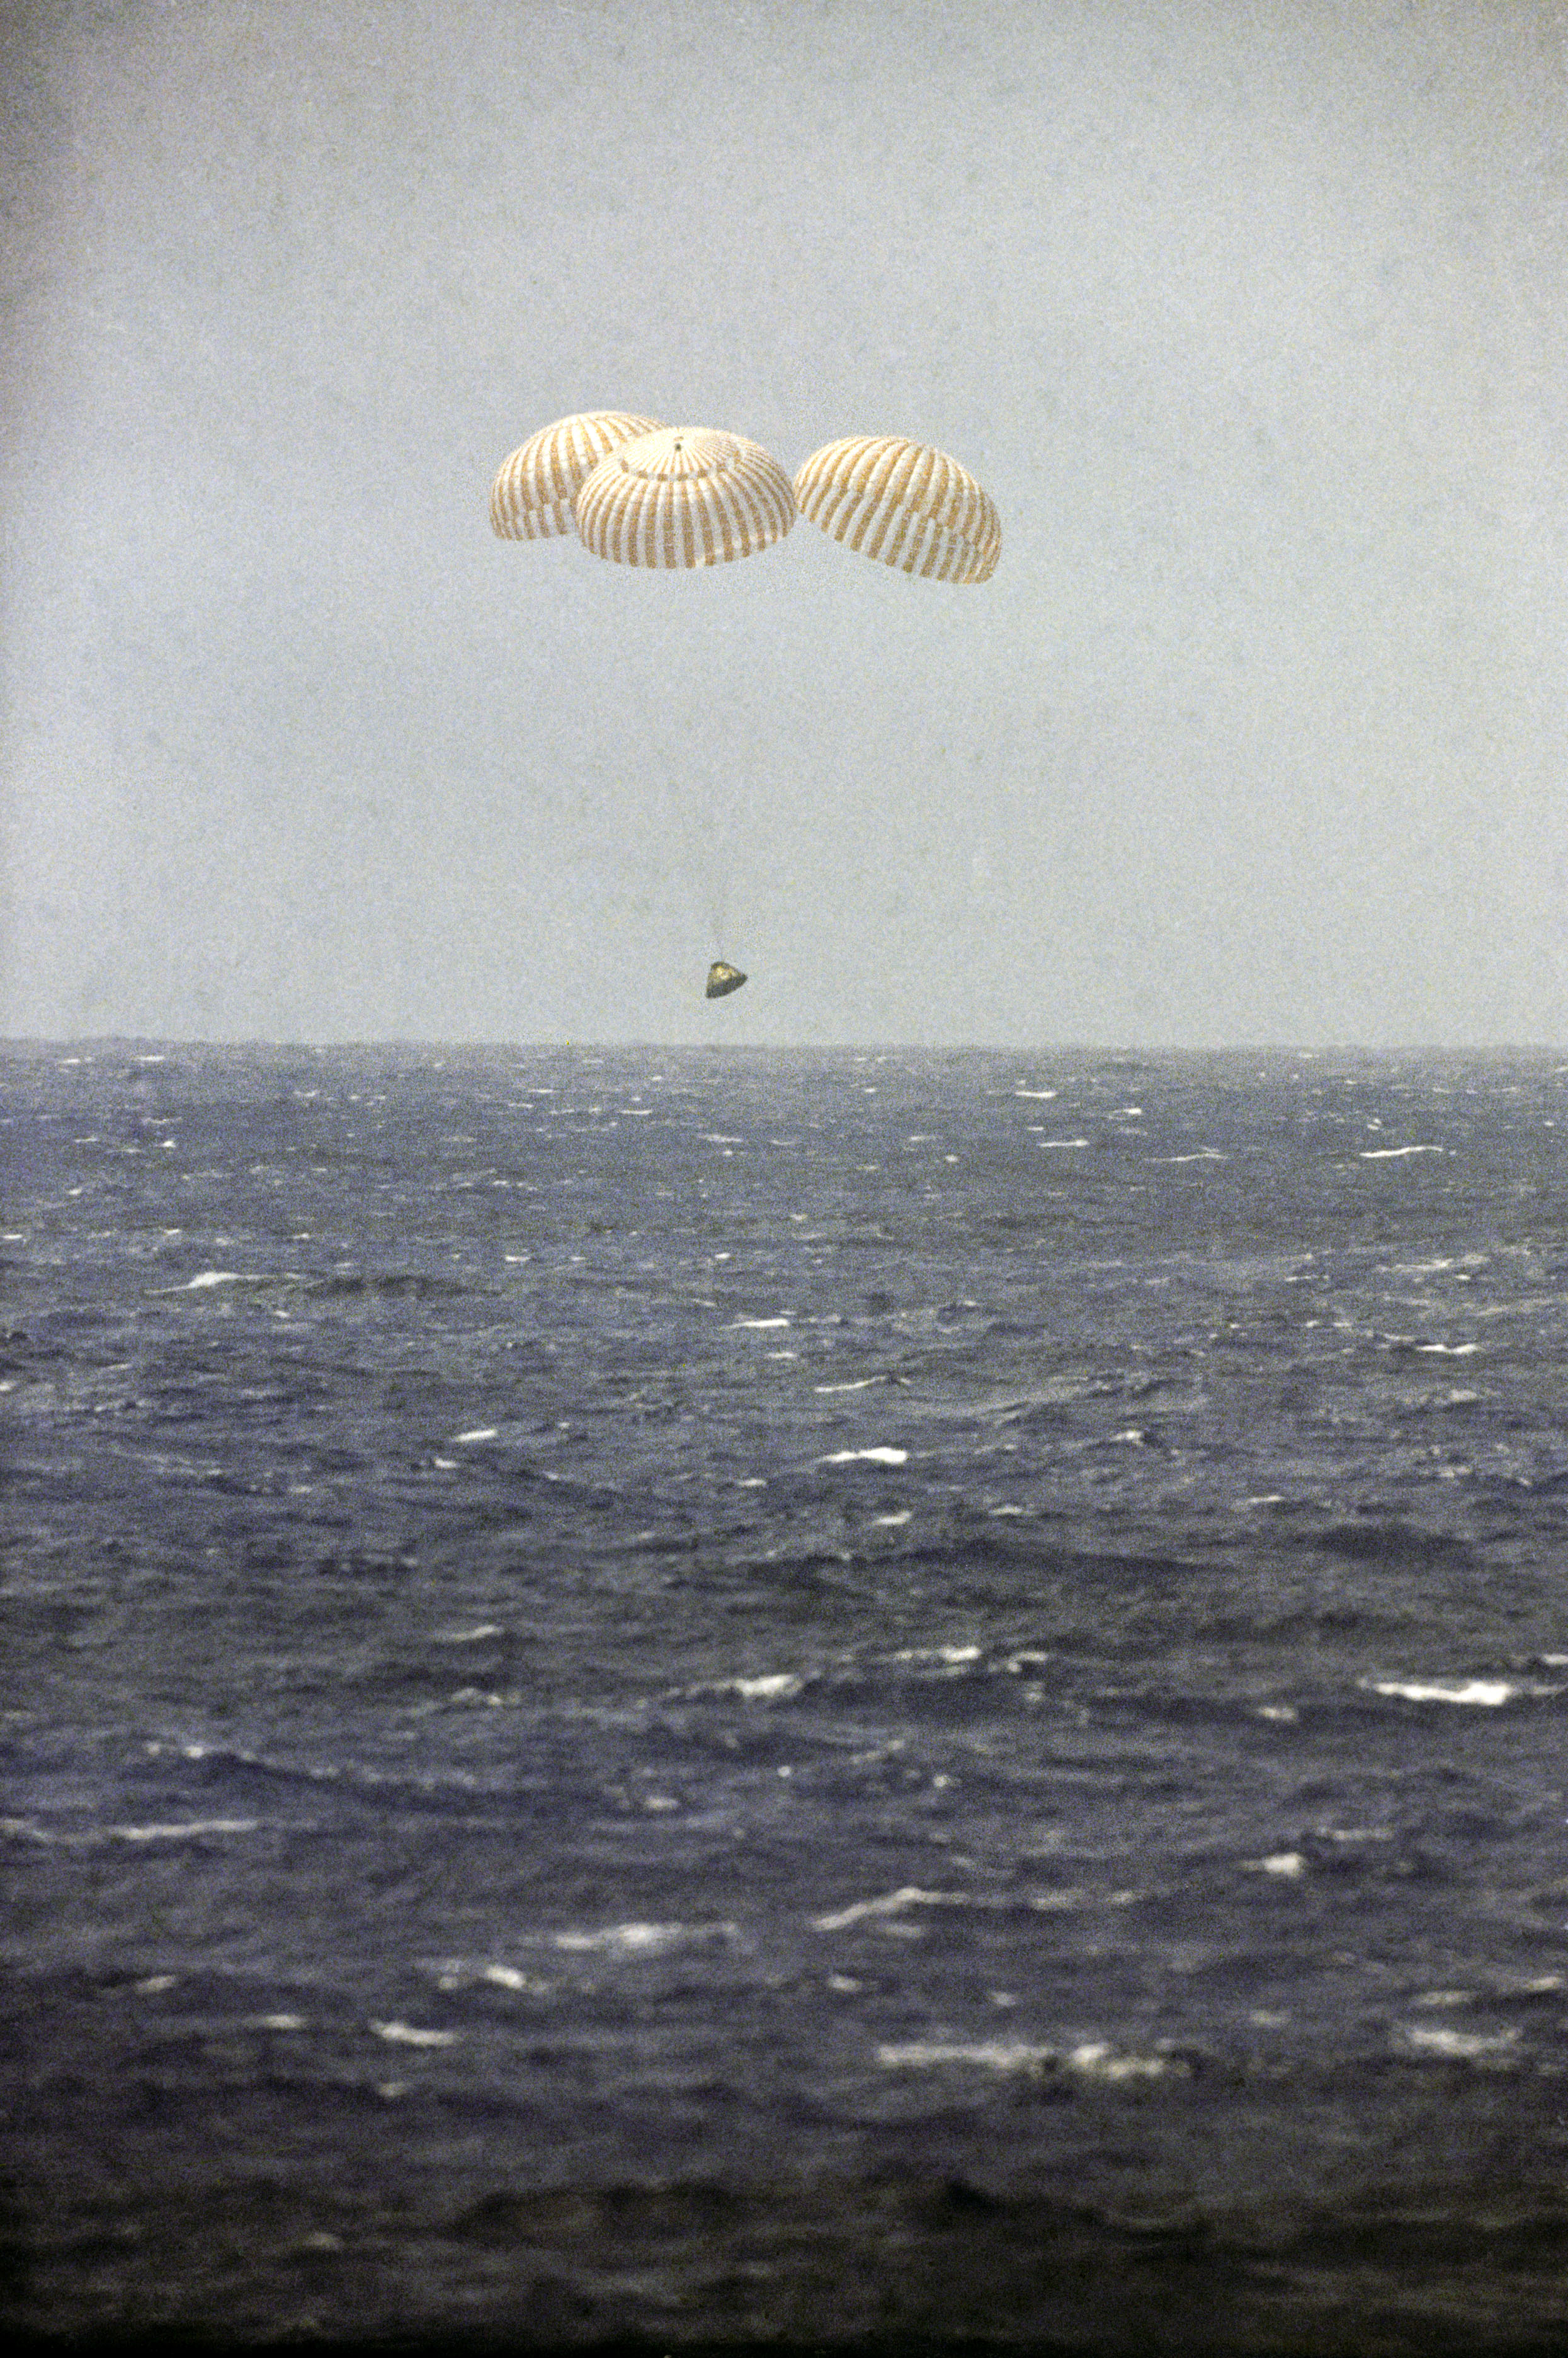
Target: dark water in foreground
(834, 1696)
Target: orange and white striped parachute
(684, 495)
(903, 502)
(531, 498)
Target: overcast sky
(1251, 315)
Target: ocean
(830, 1698)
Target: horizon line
(164, 1041)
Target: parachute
(531, 498)
(903, 502)
(684, 496)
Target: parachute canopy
(902, 501)
(531, 498)
(722, 980)
(684, 495)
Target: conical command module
(722, 978)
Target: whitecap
(1489, 1692)
(1450, 1350)
(80, 1838)
(639, 1940)
(1434, 2039)
(1064, 1141)
(882, 1455)
(860, 1385)
(189, 1830)
(1098, 2061)
(406, 2034)
(508, 1977)
(455, 1973)
(891, 1903)
(479, 1433)
(1391, 1153)
(1280, 1862)
(1204, 1154)
(900, 1515)
(1034, 1093)
(774, 1682)
(1093, 2058)
(990, 2054)
(758, 1322)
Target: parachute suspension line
(712, 860)
(717, 896)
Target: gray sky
(1252, 316)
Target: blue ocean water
(748, 1694)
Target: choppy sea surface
(832, 1696)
